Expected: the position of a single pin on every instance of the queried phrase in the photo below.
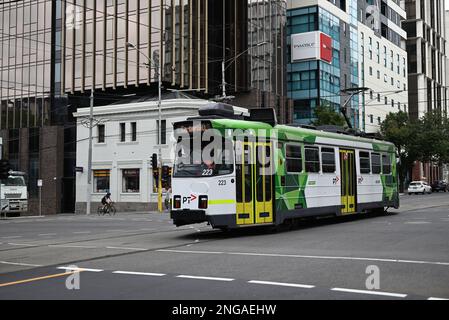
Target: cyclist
(106, 202)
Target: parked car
(419, 187)
(439, 185)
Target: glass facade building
(316, 82)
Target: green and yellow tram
(263, 173)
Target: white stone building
(383, 64)
(123, 143)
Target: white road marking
(140, 273)
(22, 244)
(274, 255)
(282, 284)
(186, 251)
(20, 264)
(80, 269)
(378, 293)
(12, 237)
(124, 248)
(436, 299)
(81, 232)
(205, 278)
(46, 234)
(417, 222)
(71, 246)
(147, 229)
(115, 230)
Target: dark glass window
(386, 164)
(328, 158)
(101, 138)
(293, 155)
(312, 157)
(131, 181)
(365, 163)
(133, 131)
(163, 132)
(122, 132)
(375, 162)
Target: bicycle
(107, 209)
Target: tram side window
(328, 158)
(376, 165)
(293, 158)
(312, 156)
(386, 164)
(365, 163)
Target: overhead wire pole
(89, 160)
(158, 68)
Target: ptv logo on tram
(189, 199)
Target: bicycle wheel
(112, 211)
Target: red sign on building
(326, 47)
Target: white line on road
(20, 264)
(12, 237)
(81, 232)
(282, 284)
(378, 293)
(186, 251)
(274, 255)
(80, 269)
(70, 246)
(46, 234)
(22, 244)
(205, 278)
(140, 273)
(437, 299)
(417, 222)
(124, 248)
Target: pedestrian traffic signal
(154, 161)
(5, 167)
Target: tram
(263, 173)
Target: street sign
(39, 183)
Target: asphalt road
(143, 256)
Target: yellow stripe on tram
(218, 202)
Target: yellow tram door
(263, 183)
(348, 181)
(244, 184)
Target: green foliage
(326, 115)
(424, 140)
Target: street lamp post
(158, 67)
(89, 160)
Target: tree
(326, 115)
(404, 134)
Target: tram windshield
(197, 158)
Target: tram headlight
(177, 202)
(203, 202)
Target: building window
(131, 181)
(133, 131)
(122, 132)
(101, 181)
(101, 138)
(163, 132)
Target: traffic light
(154, 161)
(5, 167)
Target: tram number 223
(221, 182)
